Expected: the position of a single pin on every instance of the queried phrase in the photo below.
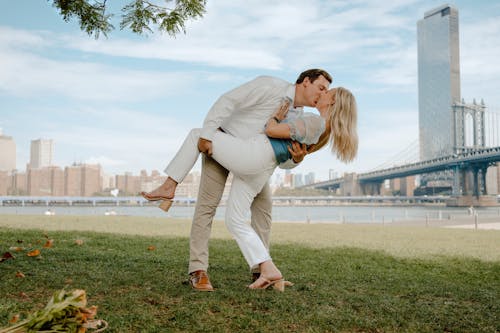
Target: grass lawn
(347, 278)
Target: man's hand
(205, 146)
(282, 111)
(298, 151)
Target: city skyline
(127, 102)
(36, 152)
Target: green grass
(399, 241)
(359, 287)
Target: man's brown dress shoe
(199, 281)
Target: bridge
(473, 147)
(469, 170)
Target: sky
(127, 101)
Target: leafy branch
(140, 16)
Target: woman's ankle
(269, 270)
(168, 188)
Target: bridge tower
(469, 134)
(468, 121)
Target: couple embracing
(250, 131)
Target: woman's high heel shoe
(278, 284)
(165, 204)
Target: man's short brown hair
(313, 74)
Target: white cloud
(479, 52)
(10, 38)
(398, 71)
(182, 49)
(23, 74)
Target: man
(243, 112)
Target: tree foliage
(140, 16)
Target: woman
(252, 162)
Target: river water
(300, 214)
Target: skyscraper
(7, 153)
(42, 152)
(438, 80)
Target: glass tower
(438, 80)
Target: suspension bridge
(476, 147)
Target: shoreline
(459, 222)
(484, 223)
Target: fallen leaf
(6, 256)
(79, 242)
(34, 253)
(23, 295)
(16, 248)
(20, 274)
(151, 248)
(19, 241)
(49, 243)
(14, 319)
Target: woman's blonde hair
(342, 120)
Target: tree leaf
(6, 256)
(34, 253)
(14, 319)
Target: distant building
(288, 179)
(7, 153)
(150, 182)
(72, 181)
(46, 181)
(332, 174)
(298, 180)
(408, 186)
(493, 179)
(19, 183)
(4, 182)
(309, 178)
(395, 186)
(438, 88)
(91, 179)
(438, 80)
(82, 180)
(401, 186)
(108, 182)
(128, 184)
(189, 187)
(42, 152)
